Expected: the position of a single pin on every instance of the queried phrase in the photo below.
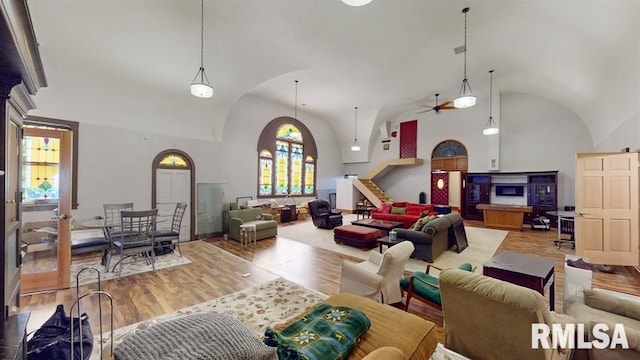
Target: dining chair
(173, 234)
(136, 237)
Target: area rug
(483, 243)
(130, 266)
(257, 307)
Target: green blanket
(326, 333)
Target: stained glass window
(41, 162)
(285, 167)
(173, 160)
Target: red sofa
(411, 214)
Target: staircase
(373, 192)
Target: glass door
(46, 208)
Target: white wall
(626, 135)
(536, 134)
(114, 165)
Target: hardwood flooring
(213, 273)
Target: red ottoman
(356, 236)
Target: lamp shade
(356, 2)
(201, 90)
(464, 101)
(491, 130)
(355, 146)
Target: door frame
(155, 165)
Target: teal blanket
(327, 333)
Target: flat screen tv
(509, 190)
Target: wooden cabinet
(477, 191)
(541, 194)
(22, 75)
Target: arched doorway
(449, 165)
(173, 181)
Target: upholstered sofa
(608, 307)
(487, 318)
(409, 334)
(433, 238)
(406, 212)
(266, 227)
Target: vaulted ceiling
(129, 63)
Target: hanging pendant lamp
(492, 127)
(355, 146)
(356, 2)
(465, 98)
(200, 84)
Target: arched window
(287, 159)
(449, 155)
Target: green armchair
(425, 287)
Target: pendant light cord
(295, 105)
(201, 34)
(465, 11)
(490, 96)
(355, 131)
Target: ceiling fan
(447, 105)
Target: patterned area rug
(129, 267)
(264, 305)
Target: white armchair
(378, 278)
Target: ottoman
(357, 236)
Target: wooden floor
(212, 274)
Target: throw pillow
(385, 207)
(199, 336)
(612, 304)
(417, 226)
(398, 210)
(327, 332)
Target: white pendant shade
(201, 90)
(464, 101)
(355, 146)
(491, 131)
(356, 3)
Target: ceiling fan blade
(424, 111)
(445, 104)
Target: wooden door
(44, 268)
(607, 228)
(408, 139)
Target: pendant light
(200, 84)
(466, 98)
(492, 128)
(355, 146)
(356, 2)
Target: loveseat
(406, 212)
(608, 307)
(266, 227)
(433, 238)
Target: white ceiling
(389, 57)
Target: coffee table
(383, 225)
(533, 272)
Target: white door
(173, 186)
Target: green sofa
(266, 227)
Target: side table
(364, 211)
(385, 241)
(247, 235)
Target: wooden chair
(425, 287)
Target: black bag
(52, 341)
